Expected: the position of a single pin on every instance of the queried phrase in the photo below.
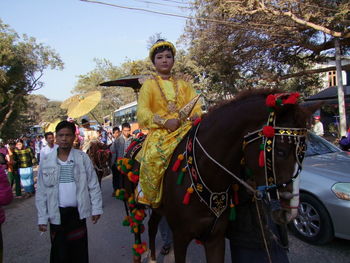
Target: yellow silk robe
(160, 143)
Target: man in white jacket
(68, 192)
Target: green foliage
(255, 43)
(22, 62)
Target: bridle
(268, 135)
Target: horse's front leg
(215, 249)
(152, 233)
(181, 241)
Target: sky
(80, 31)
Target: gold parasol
(65, 104)
(52, 126)
(85, 103)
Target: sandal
(165, 250)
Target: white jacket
(88, 189)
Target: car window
(317, 145)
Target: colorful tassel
(262, 156)
(139, 249)
(120, 194)
(181, 176)
(235, 193)
(187, 196)
(133, 176)
(232, 216)
(196, 121)
(177, 163)
(127, 221)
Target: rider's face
(164, 62)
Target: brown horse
(226, 149)
(100, 156)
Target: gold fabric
(160, 143)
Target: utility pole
(341, 101)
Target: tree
(249, 43)
(41, 110)
(112, 97)
(22, 64)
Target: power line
(222, 22)
(162, 4)
(177, 2)
(163, 13)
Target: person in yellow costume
(160, 99)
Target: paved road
(110, 242)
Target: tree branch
(7, 115)
(305, 72)
(307, 23)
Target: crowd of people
(19, 159)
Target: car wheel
(313, 223)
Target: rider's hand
(42, 228)
(172, 124)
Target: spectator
(90, 135)
(317, 128)
(5, 198)
(12, 169)
(3, 155)
(118, 148)
(68, 193)
(116, 133)
(51, 146)
(38, 145)
(26, 160)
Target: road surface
(110, 242)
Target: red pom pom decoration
(271, 101)
(268, 131)
(292, 99)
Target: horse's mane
(244, 95)
(300, 113)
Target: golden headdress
(159, 44)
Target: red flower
(268, 131)
(271, 100)
(292, 99)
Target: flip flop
(165, 250)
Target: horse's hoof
(137, 259)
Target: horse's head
(100, 155)
(273, 155)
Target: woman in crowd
(12, 171)
(26, 160)
(5, 198)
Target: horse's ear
(310, 107)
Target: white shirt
(318, 128)
(67, 188)
(46, 150)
